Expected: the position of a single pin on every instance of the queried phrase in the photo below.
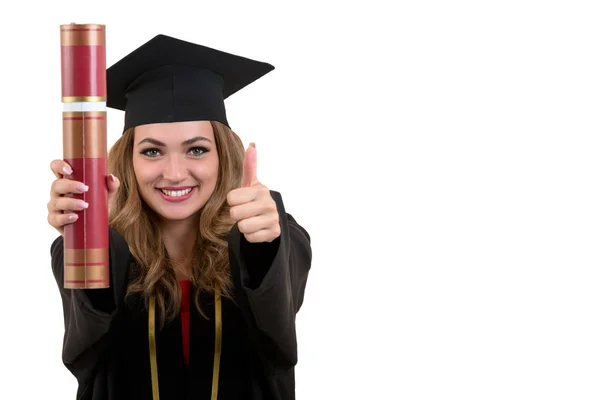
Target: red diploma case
(83, 78)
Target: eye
(198, 151)
(150, 152)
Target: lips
(176, 194)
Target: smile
(176, 195)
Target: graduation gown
(106, 346)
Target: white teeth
(176, 193)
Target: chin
(171, 216)
(178, 212)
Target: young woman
(207, 268)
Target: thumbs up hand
(252, 206)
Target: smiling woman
(164, 156)
(207, 269)
(175, 178)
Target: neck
(179, 238)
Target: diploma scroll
(83, 77)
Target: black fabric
(106, 337)
(172, 80)
(262, 255)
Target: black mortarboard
(171, 80)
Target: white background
(443, 156)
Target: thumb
(249, 174)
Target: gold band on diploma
(80, 256)
(86, 268)
(87, 285)
(83, 99)
(82, 35)
(87, 273)
(93, 125)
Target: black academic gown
(106, 334)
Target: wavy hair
(138, 223)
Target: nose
(175, 169)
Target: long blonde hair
(132, 217)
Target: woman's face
(176, 166)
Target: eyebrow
(183, 144)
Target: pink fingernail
(67, 170)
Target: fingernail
(67, 170)
(82, 204)
(72, 217)
(82, 188)
(113, 178)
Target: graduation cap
(171, 80)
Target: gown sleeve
(89, 314)
(271, 279)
